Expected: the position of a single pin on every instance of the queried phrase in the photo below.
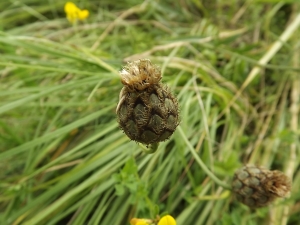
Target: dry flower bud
(258, 187)
(147, 111)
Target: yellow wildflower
(136, 221)
(167, 220)
(74, 13)
(142, 222)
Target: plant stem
(149, 149)
(201, 163)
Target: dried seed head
(258, 187)
(140, 74)
(147, 111)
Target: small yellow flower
(142, 222)
(83, 14)
(167, 220)
(74, 13)
(136, 221)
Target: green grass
(234, 67)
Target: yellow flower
(142, 222)
(136, 221)
(167, 220)
(74, 13)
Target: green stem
(149, 149)
(201, 163)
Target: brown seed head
(258, 187)
(140, 74)
(147, 111)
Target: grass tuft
(234, 67)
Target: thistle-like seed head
(258, 187)
(140, 74)
(147, 111)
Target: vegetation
(234, 66)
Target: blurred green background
(234, 66)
